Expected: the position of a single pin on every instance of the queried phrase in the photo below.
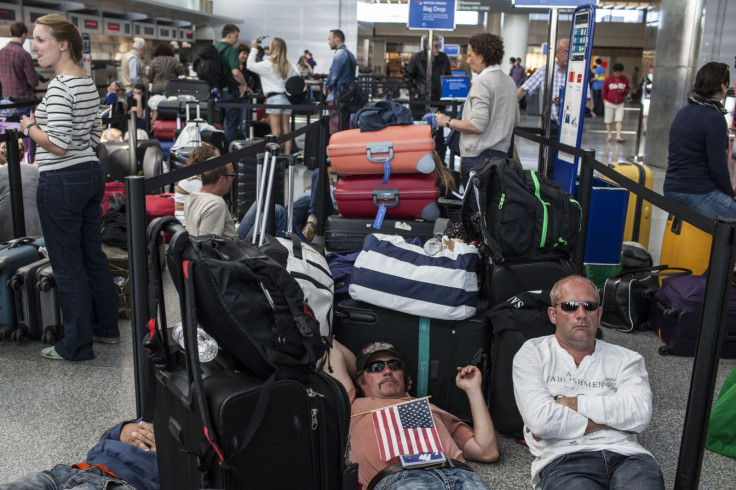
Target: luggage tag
(378, 222)
(424, 460)
(386, 171)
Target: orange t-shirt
(364, 450)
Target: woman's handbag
(627, 296)
(394, 274)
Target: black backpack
(249, 303)
(209, 67)
(524, 215)
(295, 89)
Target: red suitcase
(408, 149)
(160, 205)
(164, 130)
(404, 196)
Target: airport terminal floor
(54, 411)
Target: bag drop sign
(432, 15)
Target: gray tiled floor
(52, 412)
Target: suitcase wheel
(665, 350)
(645, 325)
(6, 331)
(19, 335)
(49, 336)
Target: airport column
(515, 34)
(677, 61)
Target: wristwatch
(28, 128)
(448, 122)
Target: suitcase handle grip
(386, 195)
(673, 313)
(362, 317)
(379, 148)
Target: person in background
(205, 211)
(518, 75)
(136, 103)
(415, 77)
(184, 188)
(29, 177)
(583, 400)
(305, 69)
(491, 110)
(17, 74)
(273, 73)
(131, 66)
(615, 89)
(342, 73)
(599, 73)
(697, 166)
(164, 68)
(66, 126)
(646, 97)
(310, 59)
(111, 134)
(230, 117)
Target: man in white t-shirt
(206, 212)
(583, 400)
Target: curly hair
(489, 46)
(162, 49)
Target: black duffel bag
(627, 296)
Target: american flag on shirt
(407, 428)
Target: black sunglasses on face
(377, 366)
(570, 306)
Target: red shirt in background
(615, 89)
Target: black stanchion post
(15, 183)
(137, 256)
(585, 189)
(324, 182)
(707, 354)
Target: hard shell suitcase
(639, 213)
(13, 255)
(403, 196)
(431, 349)
(684, 245)
(342, 234)
(503, 281)
(246, 179)
(178, 158)
(36, 303)
(675, 315)
(164, 130)
(407, 149)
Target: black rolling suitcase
(431, 349)
(513, 322)
(246, 178)
(37, 303)
(14, 255)
(343, 234)
(224, 425)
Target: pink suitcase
(404, 196)
(164, 130)
(407, 148)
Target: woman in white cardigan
(274, 72)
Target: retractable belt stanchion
(15, 183)
(585, 190)
(323, 187)
(707, 354)
(136, 215)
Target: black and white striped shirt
(69, 114)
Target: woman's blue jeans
(69, 206)
(712, 205)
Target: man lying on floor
(379, 375)
(124, 458)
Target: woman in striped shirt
(65, 127)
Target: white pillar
(515, 34)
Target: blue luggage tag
(386, 171)
(378, 222)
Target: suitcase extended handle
(379, 148)
(357, 316)
(386, 195)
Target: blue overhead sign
(438, 15)
(552, 3)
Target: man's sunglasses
(377, 366)
(570, 306)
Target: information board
(572, 108)
(438, 15)
(455, 87)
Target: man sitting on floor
(379, 374)
(205, 211)
(583, 400)
(124, 458)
